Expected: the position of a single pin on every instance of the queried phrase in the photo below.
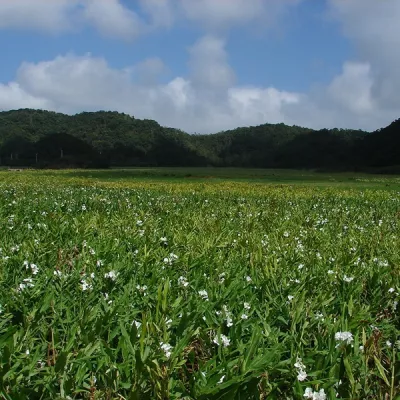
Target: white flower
(139, 223)
(309, 394)
(388, 343)
(182, 281)
(299, 363)
(330, 272)
(34, 268)
(26, 283)
(361, 348)
(348, 278)
(301, 370)
(290, 297)
(221, 380)
(111, 275)
(85, 285)
(99, 263)
(27, 352)
(203, 294)
(57, 273)
(142, 289)
(244, 316)
(391, 290)
(166, 349)
(169, 260)
(248, 279)
(345, 337)
(222, 340)
(137, 324)
(246, 306)
(302, 375)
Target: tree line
(45, 139)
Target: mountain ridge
(113, 138)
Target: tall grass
(193, 291)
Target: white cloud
(162, 12)
(13, 96)
(365, 94)
(42, 15)
(120, 19)
(111, 18)
(198, 103)
(352, 89)
(373, 28)
(209, 65)
(220, 14)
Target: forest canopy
(99, 139)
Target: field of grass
(199, 284)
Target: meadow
(199, 284)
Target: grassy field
(199, 284)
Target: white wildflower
(309, 394)
(222, 340)
(86, 285)
(302, 375)
(111, 275)
(166, 348)
(344, 337)
(182, 281)
(203, 294)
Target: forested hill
(99, 139)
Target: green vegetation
(47, 139)
(199, 284)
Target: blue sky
(205, 65)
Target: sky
(206, 65)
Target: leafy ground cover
(160, 289)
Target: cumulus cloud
(120, 19)
(111, 18)
(363, 95)
(225, 13)
(372, 26)
(205, 101)
(13, 96)
(43, 15)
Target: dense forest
(45, 139)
